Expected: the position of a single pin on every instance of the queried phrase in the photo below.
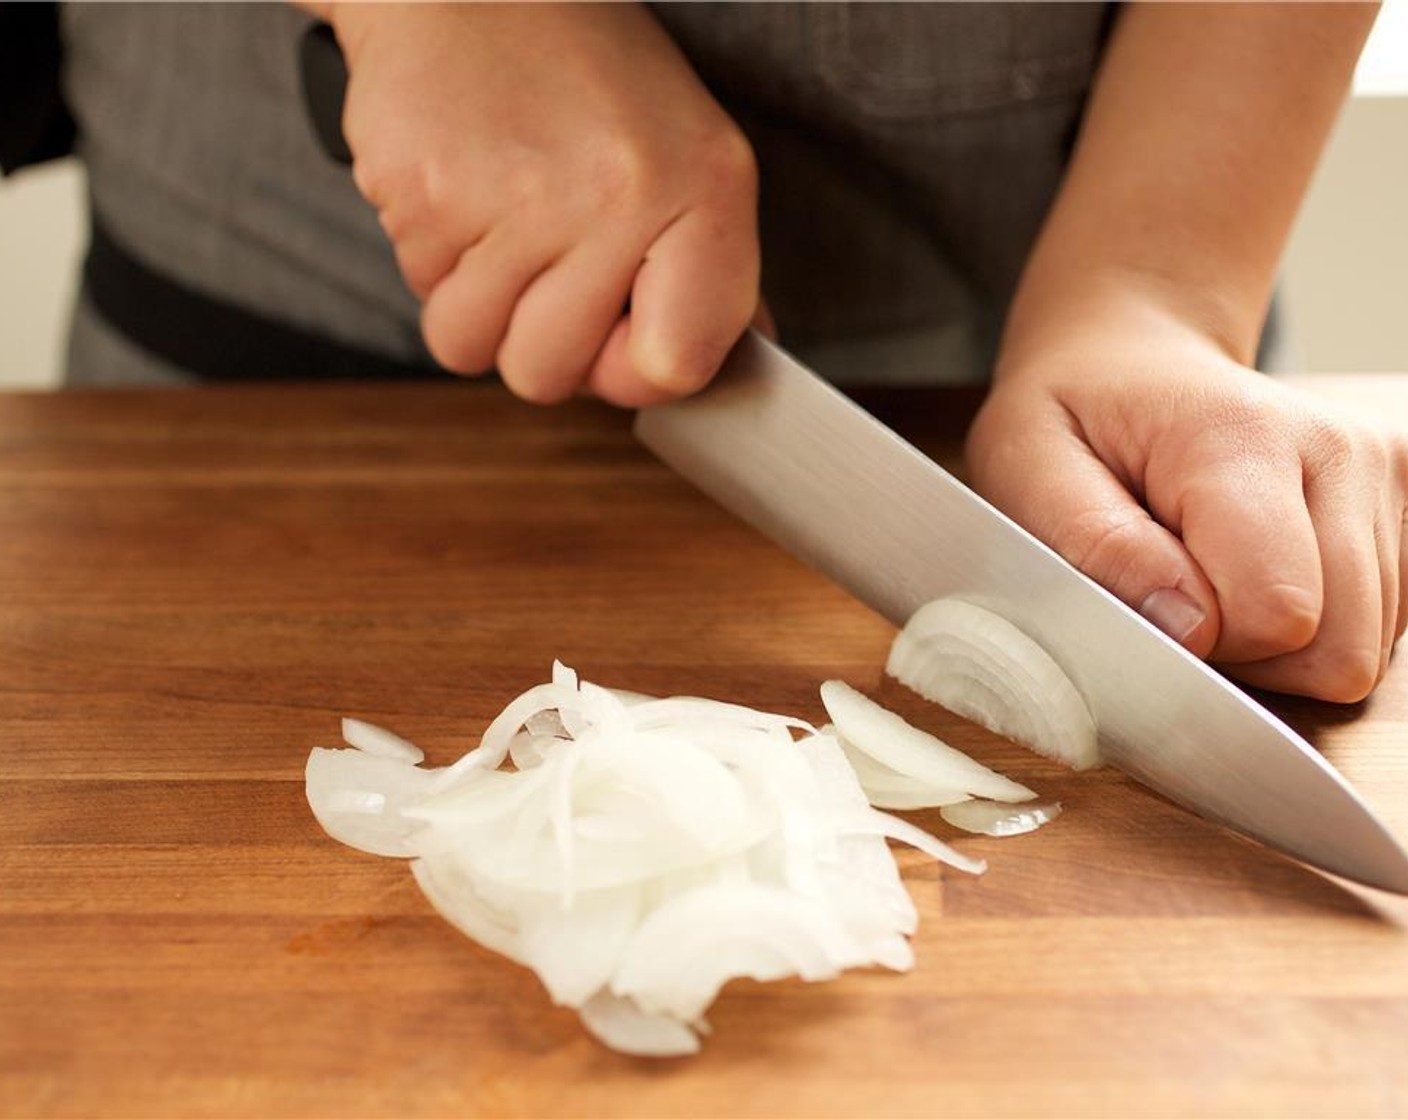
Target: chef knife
(788, 453)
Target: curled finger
(466, 315)
(693, 297)
(1345, 659)
(563, 320)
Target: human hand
(538, 167)
(1249, 521)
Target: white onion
(452, 892)
(578, 950)
(889, 789)
(992, 818)
(377, 740)
(623, 1026)
(358, 798)
(908, 752)
(645, 852)
(980, 666)
(872, 822)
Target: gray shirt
(908, 153)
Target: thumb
(1055, 486)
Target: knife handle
(323, 75)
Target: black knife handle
(323, 71)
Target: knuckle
(370, 180)
(406, 191)
(1334, 445)
(1398, 449)
(630, 174)
(431, 186)
(1377, 453)
(1282, 618)
(395, 223)
(1349, 677)
(727, 166)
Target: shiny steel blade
(788, 453)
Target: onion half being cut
(980, 666)
(645, 852)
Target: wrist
(1105, 307)
(1201, 134)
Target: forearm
(1203, 130)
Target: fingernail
(1173, 612)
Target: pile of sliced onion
(640, 853)
(644, 852)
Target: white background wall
(1345, 283)
(41, 241)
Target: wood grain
(195, 585)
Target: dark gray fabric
(99, 357)
(908, 153)
(201, 162)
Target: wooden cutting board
(194, 585)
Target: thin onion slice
(978, 665)
(872, 822)
(993, 818)
(889, 789)
(361, 799)
(686, 951)
(453, 893)
(623, 1026)
(907, 750)
(674, 710)
(377, 740)
(576, 951)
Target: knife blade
(778, 446)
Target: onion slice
(889, 789)
(361, 799)
(686, 951)
(452, 892)
(978, 665)
(910, 752)
(875, 823)
(377, 740)
(623, 1026)
(992, 818)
